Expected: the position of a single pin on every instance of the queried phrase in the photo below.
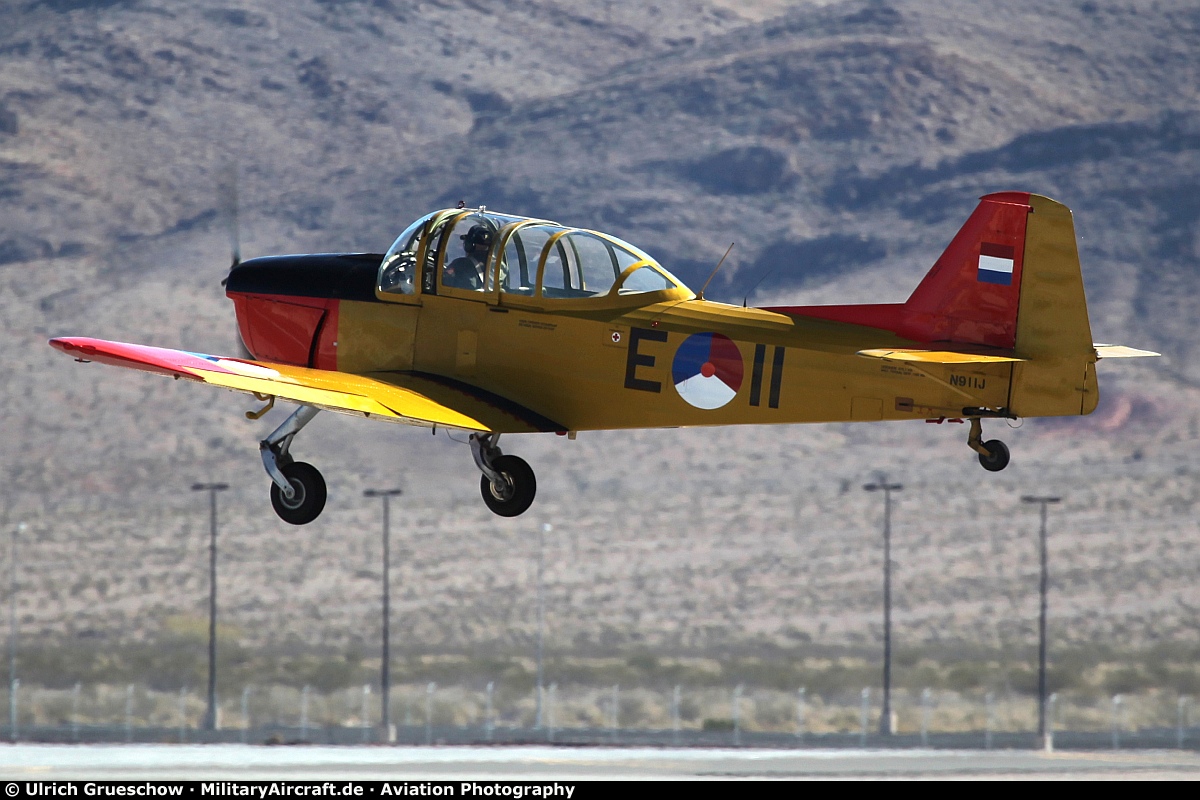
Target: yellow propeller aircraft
(494, 324)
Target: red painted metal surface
(325, 351)
(286, 329)
(159, 360)
(952, 304)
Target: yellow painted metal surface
(936, 356)
(603, 370)
(376, 336)
(1053, 332)
(340, 391)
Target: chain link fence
(426, 714)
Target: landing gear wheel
(997, 457)
(309, 498)
(516, 495)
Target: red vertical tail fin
(972, 293)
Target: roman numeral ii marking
(756, 376)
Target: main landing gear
(993, 454)
(507, 483)
(297, 489)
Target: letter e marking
(634, 359)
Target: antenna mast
(700, 296)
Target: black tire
(309, 499)
(521, 487)
(997, 457)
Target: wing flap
(498, 413)
(939, 356)
(325, 388)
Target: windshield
(397, 275)
(483, 252)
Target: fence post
(1116, 722)
(304, 712)
(737, 715)
(182, 714)
(429, 690)
(863, 711)
(616, 705)
(75, 713)
(675, 716)
(800, 709)
(488, 724)
(13, 688)
(1181, 717)
(926, 696)
(245, 713)
(1050, 718)
(990, 720)
(129, 713)
(366, 713)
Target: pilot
(469, 271)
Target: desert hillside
(847, 139)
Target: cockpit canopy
(478, 253)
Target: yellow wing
(413, 400)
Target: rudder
(1053, 330)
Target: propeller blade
(229, 206)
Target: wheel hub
(502, 489)
(297, 498)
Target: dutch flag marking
(996, 263)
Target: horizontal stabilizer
(1121, 351)
(937, 356)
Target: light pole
(210, 715)
(546, 528)
(885, 716)
(1043, 501)
(385, 675)
(12, 634)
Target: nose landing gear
(297, 489)
(993, 454)
(508, 485)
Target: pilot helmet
(477, 236)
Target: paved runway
(256, 762)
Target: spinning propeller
(228, 203)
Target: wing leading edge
(397, 398)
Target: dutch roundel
(707, 370)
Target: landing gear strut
(507, 484)
(993, 454)
(297, 489)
